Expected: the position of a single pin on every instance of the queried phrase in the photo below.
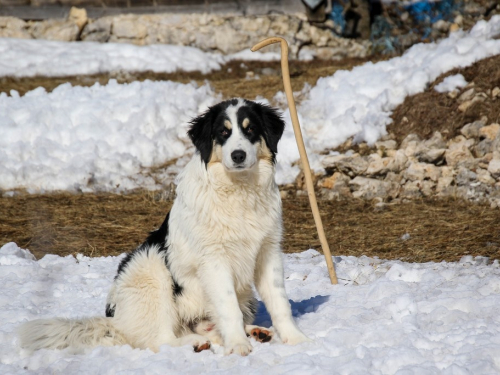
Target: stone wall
(209, 32)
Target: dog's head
(237, 133)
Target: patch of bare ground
(109, 224)
(246, 79)
(432, 111)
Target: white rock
(472, 130)
(466, 95)
(484, 177)
(369, 188)
(11, 27)
(443, 183)
(386, 145)
(421, 171)
(494, 168)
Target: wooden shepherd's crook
(302, 149)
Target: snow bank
(29, 58)
(96, 138)
(359, 103)
(385, 317)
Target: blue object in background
(337, 16)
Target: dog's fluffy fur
(191, 281)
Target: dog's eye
(224, 132)
(250, 129)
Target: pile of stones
(466, 166)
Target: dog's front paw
(295, 337)
(242, 348)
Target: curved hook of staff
(302, 150)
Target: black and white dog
(191, 281)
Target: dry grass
(108, 224)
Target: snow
(96, 138)
(451, 83)
(385, 317)
(29, 58)
(107, 138)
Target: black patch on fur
(272, 124)
(158, 238)
(110, 311)
(206, 127)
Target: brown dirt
(108, 224)
(230, 80)
(431, 111)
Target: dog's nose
(238, 156)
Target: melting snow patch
(451, 83)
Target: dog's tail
(59, 333)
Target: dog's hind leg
(145, 309)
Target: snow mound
(95, 138)
(29, 58)
(384, 317)
(451, 83)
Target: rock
(465, 176)
(334, 181)
(386, 145)
(11, 27)
(409, 139)
(484, 177)
(483, 148)
(330, 161)
(441, 25)
(465, 106)
(435, 142)
(458, 150)
(427, 188)
(454, 28)
(352, 165)
(61, 30)
(495, 92)
(453, 157)
(466, 95)
(411, 190)
(490, 132)
(128, 27)
(494, 168)
(369, 188)
(382, 166)
(78, 16)
(421, 171)
(444, 183)
(472, 130)
(97, 31)
(426, 155)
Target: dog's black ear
(273, 125)
(200, 132)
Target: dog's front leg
(218, 284)
(269, 281)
